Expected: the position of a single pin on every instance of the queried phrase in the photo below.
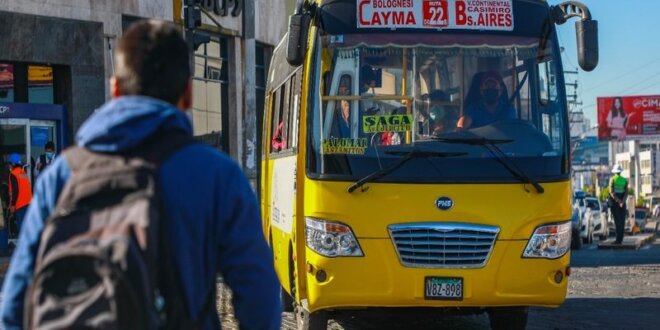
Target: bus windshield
(381, 94)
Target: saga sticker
(387, 123)
(346, 146)
(494, 15)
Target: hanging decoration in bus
(495, 15)
(344, 146)
(624, 117)
(387, 123)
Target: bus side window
(278, 142)
(294, 107)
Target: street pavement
(608, 289)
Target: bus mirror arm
(586, 31)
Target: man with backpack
(121, 234)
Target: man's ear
(185, 102)
(115, 91)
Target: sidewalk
(633, 242)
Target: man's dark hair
(49, 145)
(151, 59)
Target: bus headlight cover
(549, 241)
(331, 239)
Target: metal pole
(250, 111)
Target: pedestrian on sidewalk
(45, 159)
(617, 201)
(20, 190)
(211, 215)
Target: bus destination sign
(436, 14)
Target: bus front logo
(444, 203)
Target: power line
(633, 89)
(616, 78)
(639, 83)
(646, 86)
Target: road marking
(646, 247)
(592, 247)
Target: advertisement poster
(626, 117)
(493, 15)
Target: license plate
(443, 288)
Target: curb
(633, 242)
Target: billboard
(628, 117)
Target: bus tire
(287, 301)
(508, 318)
(311, 321)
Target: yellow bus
(416, 156)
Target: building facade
(57, 59)
(649, 169)
(230, 72)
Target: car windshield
(380, 95)
(593, 205)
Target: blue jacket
(215, 223)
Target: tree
(604, 193)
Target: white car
(597, 215)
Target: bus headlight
(331, 239)
(549, 241)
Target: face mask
(491, 95)
(437, 112)
(50, 155)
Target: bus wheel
(311, 321)
(508, 318)
(287, 301)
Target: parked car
(640, 218)
(596, 211)
(578, 201)
(587, 228)
(576, 225)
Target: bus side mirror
(587, 43)
(297, 38)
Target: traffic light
(192, 17)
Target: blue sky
(629, 38)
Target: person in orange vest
(20, 189)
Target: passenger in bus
(367, 85)
(278, 143)
(341, 124)
(442, 118)
(490, 105)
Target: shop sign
(221, 7)
(4, 109)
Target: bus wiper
(500, 156)
(415, 153)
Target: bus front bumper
(378, 279)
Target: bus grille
(443, 245)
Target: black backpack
(102, 261)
